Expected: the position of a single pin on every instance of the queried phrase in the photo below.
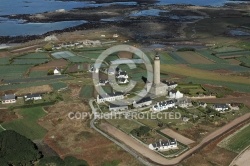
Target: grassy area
(4, 61)
(58, 85)
(231, 85)
(226, 49)
(27, 125)
(29, 61)
(208, 54)
(34, 56)
(87, 91)
(233, 68)
(238, 141)
(125, 125)
(192, 57)
(78, 59)
(202, 74)
(13, 71)
(38, 73)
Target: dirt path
(147, 153)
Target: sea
(15, 27)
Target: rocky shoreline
(167, 23)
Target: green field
(26, 85)
(58, 85)
(233, 68)
(177, 58)
(227, 49)
(208, 54)
(232, 53)
(38, 73)
(13, 71)
(245, 60)
(231, 85)
(4, 61)
(238, 141)
(123, 124)
(34, 56)
(87, 91)
(27, 125)
(29, 61)
(78, 59)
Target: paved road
(163, 161)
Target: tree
(16, 149)
(48, 47)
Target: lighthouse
(158, 88)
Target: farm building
(146, 101)
(163, 105)
(110, 97)
(164, 145)
(220, 107)
(174, 94)
(36, 96)
(113, 107)
(8, 99)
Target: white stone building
(163, 105)
(164, 145)
(110, 97)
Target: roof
(169, 83)
(164, 143)
(110, 95)
(117, 106)
(33, 95)
(8, 97)
(143, 100)
(220, 106)
(122, 79)
(123, 73)
(165, 103)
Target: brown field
(177, 136)
(194, 58)
(4, 54)
(34, 89)
(76, 138)
(7, 115)
(74, 68)
(61, 63)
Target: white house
(33, 97)
(57, 72)
(146, 101)
(173, 94)
(110, 97)
(115, 35)
(164, 145)
(113, 107)
(170, 84)
(102, 83)
(122, 80)
(163, 105)
(9, 99)
(220, 107)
